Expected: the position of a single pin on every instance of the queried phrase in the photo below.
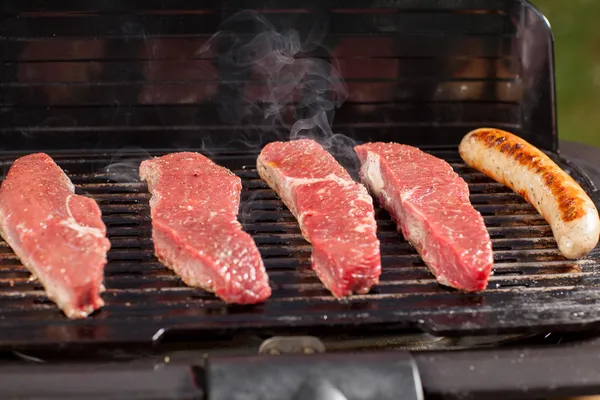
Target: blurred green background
(577, 55)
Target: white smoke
(269, 72)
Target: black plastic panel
(519, 373)
(101, 381)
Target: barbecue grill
(101, 86)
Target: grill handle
(381, 376)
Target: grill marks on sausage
(569, 202)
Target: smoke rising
(268, 73)
(269, 83)
(124, 165)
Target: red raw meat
(195, 229)
(430, 203)
(58, 235)
(335, 213)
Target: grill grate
(533, 286)
(425, 72)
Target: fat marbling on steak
(59, 236)
(195, 229)
(335, 213)
(430, 203)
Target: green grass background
(577, 57)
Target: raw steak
(335, 213)
(195, 229)
(430, 203)
(58, 235)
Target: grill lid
(92, 74)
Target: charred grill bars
(533, 287)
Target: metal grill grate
(533, 286)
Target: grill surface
(94, 75)
(533, 286)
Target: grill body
(101, 87)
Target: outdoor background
(577, 54)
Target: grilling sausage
(519, 165)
